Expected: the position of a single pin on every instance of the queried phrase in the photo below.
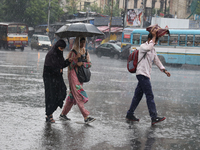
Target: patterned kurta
(76, 88)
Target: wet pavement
(110, 92)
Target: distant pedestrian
(143, 75)
(77, 94)
(55, 88)
(56, 38)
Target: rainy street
(110, 92)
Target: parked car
(40, 42)
(126, 50)
(116, 42)
(112, 41)
(109, 49)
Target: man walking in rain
(143, 74)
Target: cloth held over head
(160, 31)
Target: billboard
(171, 23)
(133, 17)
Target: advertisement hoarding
(133, 17)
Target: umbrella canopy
(78, 29)
(61, 30)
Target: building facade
(178, 8)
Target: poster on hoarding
(134, 17)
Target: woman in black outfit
(55, 88)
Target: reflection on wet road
(110, 92)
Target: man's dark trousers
(144, 86)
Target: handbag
(83, 74)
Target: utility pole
(48, 18)
(111, 18)
(87, 13)
(142, 20)
(165, 6)
(125, 12)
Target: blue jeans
(144, 86)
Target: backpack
(132, 61)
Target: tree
(72, 6)
(37, 12)
(195, 7)
(55, 11)
(116, 10)
(13, 10)
(32, 12)
(94, 7)
(1, 11)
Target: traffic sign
(47, 29)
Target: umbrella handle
(79, 44)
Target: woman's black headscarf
(54, 57)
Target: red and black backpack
(132, 61)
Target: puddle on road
(29, 130)
(23, 121)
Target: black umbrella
(61, 31)
(78, 29)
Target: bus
(181, 47)
(13, 35)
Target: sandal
(50, 119)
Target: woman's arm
(67, 62)
(74, 60)
(87, 64)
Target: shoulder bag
(83, 74)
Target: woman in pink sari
(77, 94)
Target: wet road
(110, 92)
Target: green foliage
(32, 12)
(55, 11)
(36, 12)
(13, 10)
(116, 10)
(72, 6)
(94, 8)
(1, 11)
(195, 7)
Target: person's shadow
(137, 144)
(51, 137)
(150, 138)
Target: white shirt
(145, 65)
